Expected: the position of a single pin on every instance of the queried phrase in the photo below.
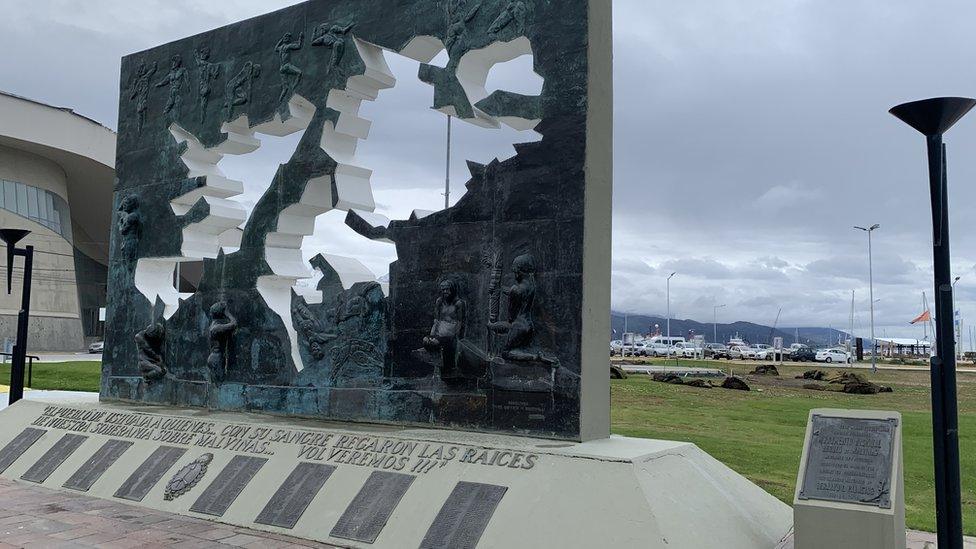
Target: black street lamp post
(12, 237)
(933, 117)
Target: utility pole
(956, 323)
(869, 230)
(715, 309)
(447, 170)
(850, 336)
(669, 310)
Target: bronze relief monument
(494, 314)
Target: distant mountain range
(751, 332)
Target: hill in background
(749, 331)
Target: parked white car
(683, 349)
(763, 352)
(657, 349)
(635, 349)
(834, 355)
(742, 352)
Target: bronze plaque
(16, 447)
(92, 470)
(295, 493)
(229, 484)
(464, 516)
(849, 460)
(149, 473)
(369, 512)
(53, 458)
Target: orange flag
(924, 317)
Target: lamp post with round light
(874, 346)
(932, 118)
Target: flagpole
(925, 326)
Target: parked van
(669, 341)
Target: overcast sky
(750, 137)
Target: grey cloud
(749, 138)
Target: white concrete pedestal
(821, 524)
(612, 493)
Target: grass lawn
(760, 433)
(61, 376)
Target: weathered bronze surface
(92, 470)
(229, 484)
(16, 447)
(482, 324)
(368, 513)
(464, 516)
(291, 499)
(53, 458)
(849, 460)
(142, 480)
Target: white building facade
(56, 178)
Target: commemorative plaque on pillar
(850, 486)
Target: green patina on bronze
(365, 356)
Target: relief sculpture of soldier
(450, 316)
(518, 329)
(208, 73)
(150, 344)
(291, 75)
(459, 357)
(129, 222)
(311, 330)
(334, 37)
(140, 92)
(239, 88)
(359, 344)
(175, 79)
(222, 327)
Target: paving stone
(216, 534)
(98, 539)
(44, 518)
(75, 533)
(240, 540)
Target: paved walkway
(32, 516)
(31, 394)
(914, 540)
(68, 356)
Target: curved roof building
(57, 170)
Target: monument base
(378, 486)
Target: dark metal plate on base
(53, 458)
(849, 460)
(16, 447)
(92, 470)
(295, 493)
(372, 507)
(149, 473)
(464, 516)
(229, 484)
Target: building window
(38, 205)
